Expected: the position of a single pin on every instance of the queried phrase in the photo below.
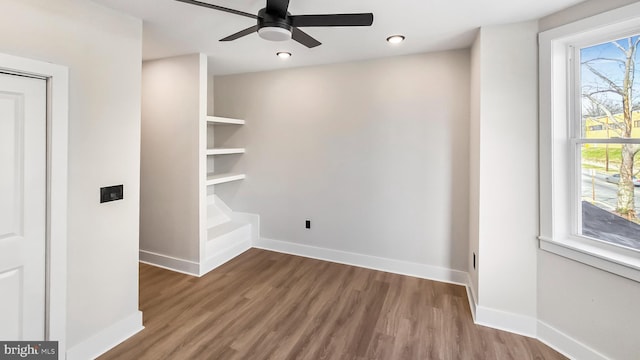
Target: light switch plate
(111, 193)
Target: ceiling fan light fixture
(274, 33)
(283, 55)
(395, 39)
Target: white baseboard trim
(502, 320)
(169, 263)
(471, 295)
(566, 345)
(107, 339)
(224, 256)
(366, 261)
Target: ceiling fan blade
(304, 38)
(240, 34)
(365, 19)
(216, 7)
(278, 7)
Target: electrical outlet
(307, 224)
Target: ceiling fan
(275, 23)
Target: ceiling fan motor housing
(273, 27)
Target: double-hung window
(590, 141)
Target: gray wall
(505, 134)
(580, 11)
(170, 188)
(103, 52)
(474, 162)
(375, 153)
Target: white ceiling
(175, 28)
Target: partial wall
(102, 50)
(505, 163)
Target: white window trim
(557, 177)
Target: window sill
(622, 263)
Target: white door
(22, 207)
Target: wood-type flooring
(267, 305)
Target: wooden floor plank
(266, 305)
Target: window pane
(609, 80)
(609, 75)
(610, 203)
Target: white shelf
(222, 120)
(225, 151)
(223, 178)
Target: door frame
(57, 78)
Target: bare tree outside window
(608, 84)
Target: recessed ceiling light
(395, 39)
(283, 54)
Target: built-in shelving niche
(213, 177)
